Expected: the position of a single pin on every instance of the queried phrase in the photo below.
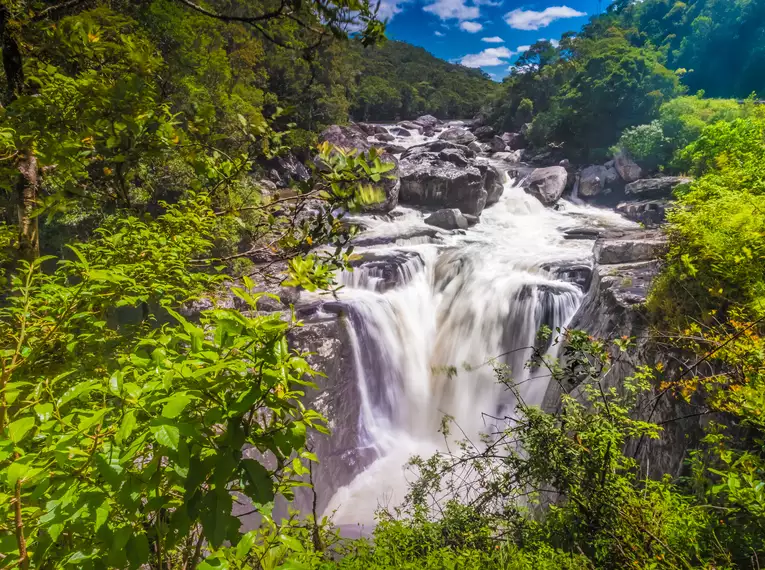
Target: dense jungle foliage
(132, 139)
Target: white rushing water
(424, 347)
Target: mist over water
(424, 347)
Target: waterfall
(428, 319)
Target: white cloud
(521, 49)
(555, 43)
(471, 27)
(389, 8)
(453, 10)
(439, 34)
(493, 40)
(532, 20)
(487, 58)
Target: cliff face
(626, 263)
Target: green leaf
(18, 429)
(258, 483)
(44, 411)
(126, 427)
(166, 434)
(102, 514)
(175, 406)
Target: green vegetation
(133, 137)
(401, 81)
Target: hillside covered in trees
(400, 81)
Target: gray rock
(368, 129)
(547, 184)
(484, 134)
(400, 132)
(627, 168)
(448, 219)
(286, 170)
(647, 212)
(457, 135)
(385, 137)
(426, 121)
(492, 181)
(655, 187)
(476, 147)
(428, 132)
(437, 146)
(394, 148)
(496, 144)
(594, 179)
(409, 125)
(437, 183)
(379, 130)
(471, 219)
(455, 156)
(353, 138)
(582, 234)
(514, 156)
(515, 141)
(629, 250)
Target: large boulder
(627, 168)
(438, 183)
(409, 125)
(594, 179)
(448, 219)
(484, 134)
(286, 170)
(655, 187)
(493, 182)
(353, 138)
(400, 132)
(647, 212)
(476, 147)
(547, 184)
(457, 135)
(496, 144)
(385, 137)
(426, 121)
(630, 249)
(434, 147)
(515, 141)
(512, 157)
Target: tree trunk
(26, 190)
(28, 182)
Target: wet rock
(426, 121)
(647, 212)
(379, 130)
(394, 148)
(582, 233)
(400, 132)
(594, 179)
(655, 187)
(627, 168)
(457, 135)
(440, 183)
(547, 184)
(448, 219)
(428, 132)
(471, 219)
(409, 125)
(382, 270)
(385, 137)
(407, 236)
(484, 134)
(493, 181)
(368, 129)
(579, 274)
(496, 144)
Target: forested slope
(401, 81)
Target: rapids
(424, 347)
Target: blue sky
(483, 33)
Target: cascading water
(425, 340)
